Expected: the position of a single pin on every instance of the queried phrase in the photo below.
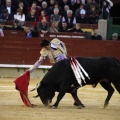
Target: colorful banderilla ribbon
(78, 71)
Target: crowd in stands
(53, 15)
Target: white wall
(15, 72)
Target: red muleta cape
(21, 84)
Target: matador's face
(47, 47)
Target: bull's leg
(59, 97)
(76, 99)
(107, 86)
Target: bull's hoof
(83, 105)
(79, 107)
(105, 105)
(54, 107)
(76, 104)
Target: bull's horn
(37, 86)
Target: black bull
(60, 78)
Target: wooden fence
(17, 50)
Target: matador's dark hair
(44, 43)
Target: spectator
(77, 12)
(83, 18)
(34, 7)
(15, 2)
(43, 15)
(108, 2)
(45, 7)
(32, 16)
(55, 16)
(106, 5)
(65, 2)
(11, 8)
(64, 12)
(22, 7)
(19, 16)
(89, 4)
(93, 15)
(115, 36)
(77, 28)
(76, 5)
(30, 32)
(56, 5)
(39, 2)
(95, 35)
(51, 5)
(43, 26)
(16, 26)
(54, 27)
(63, 27)
(70, 19)
(6, 16)
(26, 4)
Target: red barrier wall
(26, 50)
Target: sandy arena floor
(12, 108)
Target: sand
(12, 108)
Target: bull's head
(46, 93)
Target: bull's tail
(115, 78)
(115, 75)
